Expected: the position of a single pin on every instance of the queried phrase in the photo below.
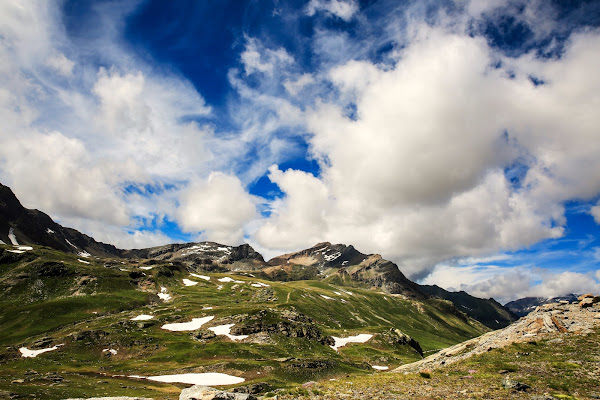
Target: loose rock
(199, 392)
(512, 384)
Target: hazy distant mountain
(524, 306)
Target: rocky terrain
(576, 318)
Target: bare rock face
(199, 392)
(588, 300)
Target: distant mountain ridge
(522, 307)
(337, 263)
(487, 311)
(27, 227)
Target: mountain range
(334, 262)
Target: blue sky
(457, 138)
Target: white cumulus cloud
(344, 9)
(218, 206)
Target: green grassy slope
(51, 298)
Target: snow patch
(340, 342)
(194, 324)
(206, 278)
(206, 379)
(146, 268)
(327, 297)
(379, 367)
(83, 261)
(24, 248)
(142, 317)
(2, 242)
(188, 282)
(260, 284)
(49, 230)
(12, 237)
(226, 279)
(207, 308)
(225, 330)
(111, 351)
(71, 244)
(16, 251)
(164, 296)
(347, 292)
(84, 254)
(332, 256)
(25, 352)
(338, 293)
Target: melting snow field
(339, 342)
(194, 324)
(12, 237)
(188, 282)
(206, 278)
(164, 296)
(25, 352)
(224, 330)
(207, 379)
(142, 317)
(379, 367)
(21, 249)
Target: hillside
(19, 225)
(553, 353)
(97, 321)
(487, 311)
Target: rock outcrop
(549, 319)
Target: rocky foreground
(549, 319)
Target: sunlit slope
(87, 305)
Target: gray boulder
(199, 392)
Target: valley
(96, 311)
